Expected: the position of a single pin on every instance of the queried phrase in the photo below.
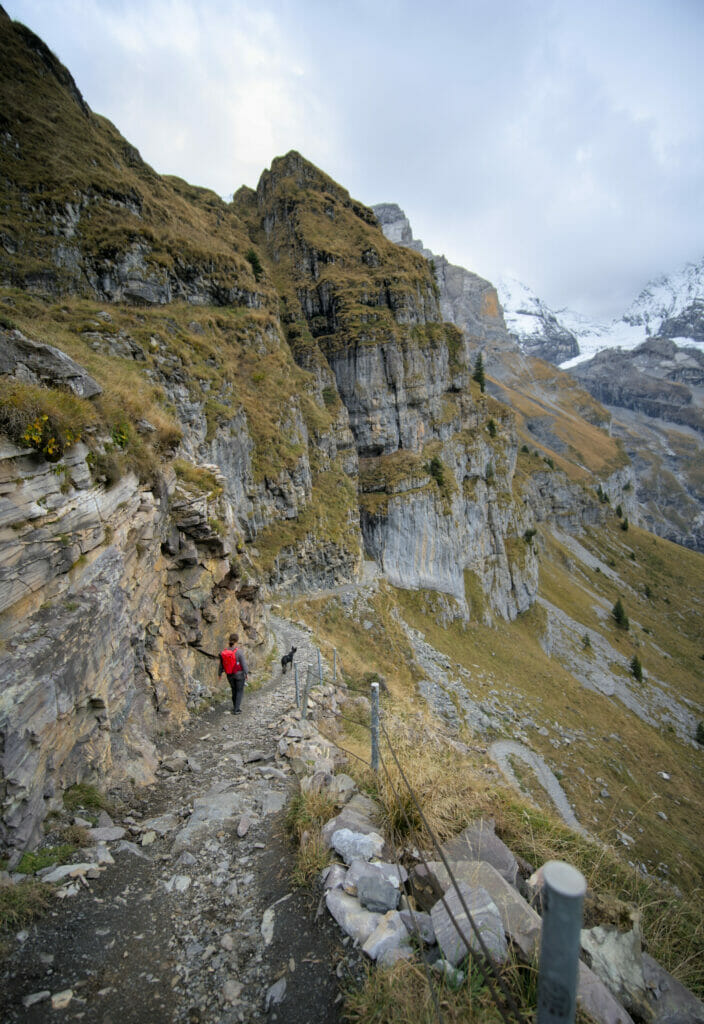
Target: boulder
(356, 845)
(395, 874)
(376, 894)
(390, 934)
(354, 920)
(419, 924)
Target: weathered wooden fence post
(375, 727)
(563, 895)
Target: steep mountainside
(659, 383)
(206, 406)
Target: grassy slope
(608, 743)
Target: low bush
(46, 419)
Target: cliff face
(204, 402)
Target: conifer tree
(637, 668)
(478, 374)
(619, 614)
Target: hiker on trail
(234, 664)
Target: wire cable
(507, 998)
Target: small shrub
(491, 427)
(699, 735)
(618, 613)
(22, 903)
(525, 450)
(619, 511)
(255, 263)
(85, 795)
(329, 396)
(437, 470)
(624, 523)
(489, 473)
(46, 419)
(636, 668)
(548, 459)
(35, 860)
(587, 642)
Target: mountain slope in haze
(670, 306)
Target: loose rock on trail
(191, 916)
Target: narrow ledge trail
(204, 930)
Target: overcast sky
(558, 141)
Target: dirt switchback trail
(195, 919)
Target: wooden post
(298, 695)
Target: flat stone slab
(350, 819)
(418, 923)
(107, 835)
(357, 922)
(670, 1001)
(161, 825)
(595, 999)
(485, 915)
(273, 801)
(521, 923)
(209, 813)
(479, 842)
(60, 874)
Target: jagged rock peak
(306, 175)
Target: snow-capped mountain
(670, 306)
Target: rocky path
(502, 750)
(193, 917)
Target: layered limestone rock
(102, 592)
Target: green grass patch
(22, 903)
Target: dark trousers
(236, 681)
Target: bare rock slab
(485, 915)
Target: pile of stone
(398, 912)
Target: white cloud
(562, 142)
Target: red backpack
(231, 661)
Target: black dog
(287, 659)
